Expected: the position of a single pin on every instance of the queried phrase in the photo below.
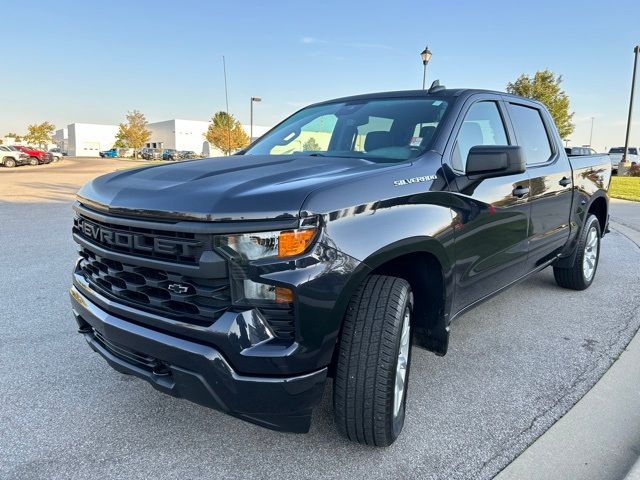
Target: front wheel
(581, 274)
(33, 161)
(372, 371)
(9, 163)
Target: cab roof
(445, 92)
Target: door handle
(565, 182)
(520, 191)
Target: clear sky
(91, 61)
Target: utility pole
(591, 134)
(636, 52)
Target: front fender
(381, 232)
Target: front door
(492, 214)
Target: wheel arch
(423, 262)
(600, 208)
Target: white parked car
(615, 154)
(56, 154)
(11, 157)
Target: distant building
(182, 134)
(88, 139)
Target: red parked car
(42, 157)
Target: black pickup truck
(351, 231)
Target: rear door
(491, 215)
(551, 180)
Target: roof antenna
(436, 87)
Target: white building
(182, 134)
(87, 139)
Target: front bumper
(197, 372)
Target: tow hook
(161, 370)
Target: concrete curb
(634, 473)
(600, 436)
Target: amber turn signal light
(295, 242)
(284, 295)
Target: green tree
(544, 86)
(226, 133)
(39, 134)
(311, 145)
(133, 133)
(120, 142)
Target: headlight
(253, 246)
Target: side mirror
(495, 161)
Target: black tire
(33, 161)
(364, 384)
(9, 162)
(575, 277)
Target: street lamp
(636, 51)
(591, 134)
(253, 99)
(426, 56)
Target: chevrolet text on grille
(137, 241)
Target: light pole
(636, 51)
(253, 99)
(426, 56)
(591, 134)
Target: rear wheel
(370, 386)
(581, 274)
(9, 162)
(33, 161)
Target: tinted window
(633, 151)
(531, 133)
(482, 126)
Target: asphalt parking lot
(515, 365)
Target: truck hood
(242, 187)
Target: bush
(634, 170)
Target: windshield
(374, 129)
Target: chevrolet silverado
(354, 231)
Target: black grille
(192, 300)
(178, 247)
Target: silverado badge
(408, 181)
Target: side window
(532, 134)
(482, 125)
